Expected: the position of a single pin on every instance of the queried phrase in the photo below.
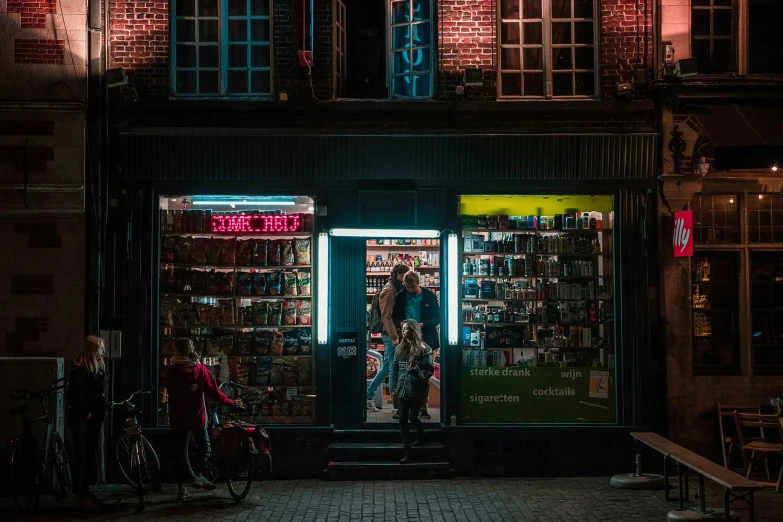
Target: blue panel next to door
(347, 300)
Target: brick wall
(43, 50)
(33, 11)
(623, 49)
(139, 42)
(466, 34)
(467, 41)
(39, 51)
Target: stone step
(381, 451)
(376, 436)
(416, 470)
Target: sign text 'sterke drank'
(682, 237)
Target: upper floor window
(765, 52)
(714, 34)
(222, 48)
(382, 49)
(411, 49)
(548, 48)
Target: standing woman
(86, 409)
(412, 374)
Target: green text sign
(537, 395)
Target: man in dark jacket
(421, 305)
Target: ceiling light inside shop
(245, 201)
(385, 232)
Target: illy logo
(682, 237)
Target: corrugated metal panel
(347, 284)
(343, 158)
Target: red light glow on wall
(255, 223)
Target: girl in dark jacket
(412, 373)
(86, 409)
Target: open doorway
(365, 34)
(423, 257)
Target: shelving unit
(246, 332)
(551, 289)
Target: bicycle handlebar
(57, 385)
(146, 390)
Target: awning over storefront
(231, 155)
(744, 136)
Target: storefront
(721, 258)
(543, 295)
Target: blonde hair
(406, 350)
(411, 277)
(90, 355)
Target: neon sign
(255, 223)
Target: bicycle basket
(228, 442)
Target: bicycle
(28, 473)
(234, 446)
(136, 458)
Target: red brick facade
(33, 11)
(624, 46)
(39, 51)
(140, 43)
(466, 32)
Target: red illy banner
(682, 237)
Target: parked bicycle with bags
(234, 446)
(32, 472)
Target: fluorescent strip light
(322, 298)
(385, 232)
(452, 262)
(244, 203)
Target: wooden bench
(735, 487)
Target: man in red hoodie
(188, 382)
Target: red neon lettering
(254, 223)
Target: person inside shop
(189, 382)
(389, 335)
(86, 410)
(421, 305)
(412, 374)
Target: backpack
(375, 323)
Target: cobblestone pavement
(461, 499)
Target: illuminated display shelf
(238, 268)
(534, 231)
(248, 226)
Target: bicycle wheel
(210, 465)
(24, 480)
(239, 472)
(140, 469)
(122, 450)
(58, 462)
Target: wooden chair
(756, 423)
(728, 436)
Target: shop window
(765, 218)
(715, 218)
(537, 312)
(384, 49)
(222, 48)
(548, 48)
(714, 35)
(715, 313)
(766, 292)
(239, 284)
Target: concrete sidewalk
(461, 499)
